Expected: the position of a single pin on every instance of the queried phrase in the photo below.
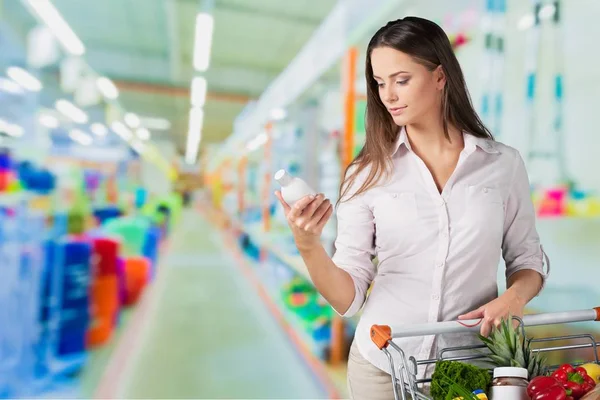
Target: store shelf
(270, 241)
(294, 322)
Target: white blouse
(438, 254)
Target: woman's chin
(400, 120)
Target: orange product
(137, 271)
(105, 296)
(99, 333)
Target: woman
(434, 197)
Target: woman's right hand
(306, 219)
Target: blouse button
(394, 195)
(485, 190)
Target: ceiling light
(71, 111)
(99, 129)
(11, 129)
(24, 79)
(143, 133)
(49, 121)
(121, 130)
(159, 124)
(59, 27)
(194, 134)
(198, 91)
(132, 120)
(107, 88)
(547, 11)
(10, 86)
(81, 137)
(257, 142)
(526, 22)
(203, 41)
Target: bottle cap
(510, 372)
(283, 177)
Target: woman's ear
(440, 77)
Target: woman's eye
(404, 82)
(380, 84)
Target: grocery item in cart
(407, 384)
(510, 383)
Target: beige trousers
(365, 381)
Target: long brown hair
(427, 43)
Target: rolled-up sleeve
(354, 248)
(521, 246)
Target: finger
(313, 221)
(320, 208)
(312, 208)
(486, 329)
(497, 322)
(286, 206)
(325, 217)
(472, 315)
(300, 205)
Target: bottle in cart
(292, 188)
(510, 383)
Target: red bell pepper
(553, 393)
(575, 381)
(546, 388)
(560, 376)
(568, 368)
(575, 387)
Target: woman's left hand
(497, 310)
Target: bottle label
(509, 393)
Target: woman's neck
(429, 138)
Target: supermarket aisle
(208, 335)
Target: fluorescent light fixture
(547, 11)
(99, 129)
(143, 133)
(526, 22)
(71, 111)
(24, 79)
(49, 121)
(198, 91)
(278, 114)
(158, 124)
(194, 134)
(191, 153)
(81, 137)
(121, 130)
(11, 129)
(203, 41)
(257, 142)
(10, 86)
(46, 11)
(132, 120)
(107, 88)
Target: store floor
(207, 334)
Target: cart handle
(381, 335)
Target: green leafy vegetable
(452, 379)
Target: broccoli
(449, 374)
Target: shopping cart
(405, 378)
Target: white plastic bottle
(292, 188)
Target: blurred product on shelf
(563, 201)
(71, 266)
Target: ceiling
(146, 48)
